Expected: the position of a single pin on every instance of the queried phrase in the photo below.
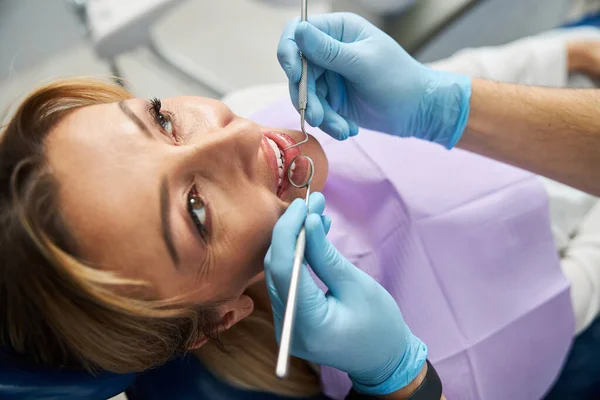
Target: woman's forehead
(90, 126)
(97, 155)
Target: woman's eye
(165, 123)
(197, 211)
(162, 119)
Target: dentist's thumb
(323, 50)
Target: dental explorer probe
(283, 357)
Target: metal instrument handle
(281, 370)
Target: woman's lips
(271, 159)
(284, 141)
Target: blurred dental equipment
(386, 6)
(291, 3)
(115, 27)
(380, 7)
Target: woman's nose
(237, 144)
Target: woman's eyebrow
(134, 118)
(166, 221)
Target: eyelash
(162, 118)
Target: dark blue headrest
(184, 378)
(18, 381)
(592, 19)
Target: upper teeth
(280, 162)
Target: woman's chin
(314, 150)
(292, 193)
(260, 277)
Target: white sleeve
(536, 60)
(539, 60)
(581, 265)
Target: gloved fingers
(288, 227)
(326, 220)
(283, 246)
(343, 26)
(309, 297)
(333, 124)
(327, 263)
(323, 50)
(286, 232)
(336, 97)
(288, 53)
(316, 203)
(276, 303)
(353, 127)
(288, 56)
(336, 90)
(311, 302)
(293, 88)
(314, 108)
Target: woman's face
(183, 195)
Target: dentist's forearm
(551, 132)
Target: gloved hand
(356, 326)
(358, 75)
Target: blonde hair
(56, 310)
(250, 359)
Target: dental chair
(19, 381)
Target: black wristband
(429, 389)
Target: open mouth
(280, 160)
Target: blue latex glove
(356, 326)
(358, 75)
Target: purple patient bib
(464, 245)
